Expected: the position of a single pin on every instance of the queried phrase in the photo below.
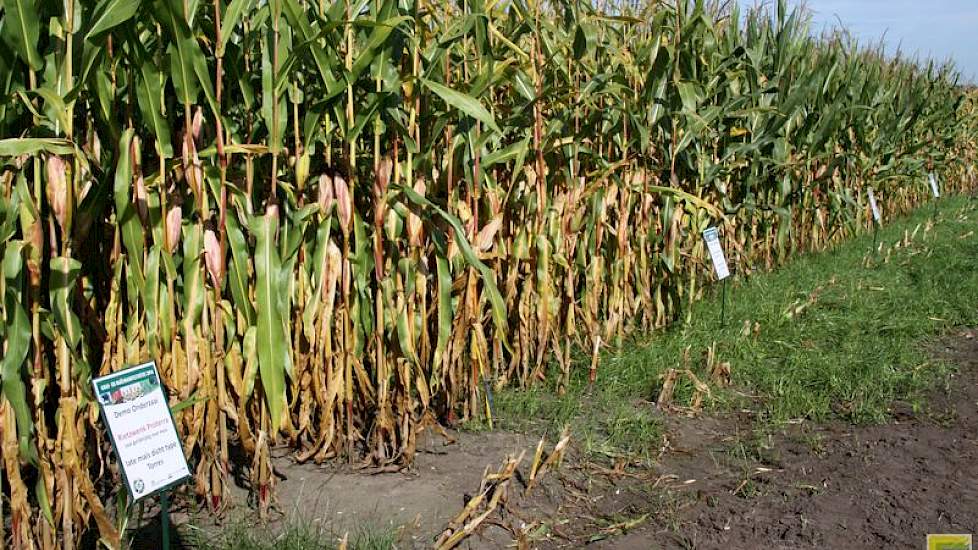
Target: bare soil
(720, 482)
(831, 486)
(416, 503)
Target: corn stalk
(337, 224)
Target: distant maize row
(336, 224)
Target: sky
(938, 29)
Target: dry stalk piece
(494, 492)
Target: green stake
(165, 518)
(723, 304)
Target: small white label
(712, 239)
(141, 427)
(933, 185)
(875, 207)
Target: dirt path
(415, 504)
(831, 486)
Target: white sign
(933, 185)
(135, 409)
(875, 207)
(712, 239)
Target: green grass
(293, 535)
(856, 349)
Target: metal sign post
(876, 218)
(712, 238)
(144, 436)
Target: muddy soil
(833, 486)
(718, 483)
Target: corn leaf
(270, 340)
(20, 30)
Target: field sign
(712, 239)
(875, 207)
(933, 185)
(136, 412)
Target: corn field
(337, 224)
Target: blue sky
(939, 29)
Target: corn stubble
(337, 224)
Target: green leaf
(21, 29)
(17, 329)
(91, 53)
(273, 357)
(149, 95)
(296, 17)
(378, 36)
(190, 401)
(251, 360)
(465, 103)
(15, 147)
(232, 15)
(193, 276)
(40, 489)
(405, 336)
(181, 53)
(201, 69)
(110, 14)
(54, 104)
(126, 216)
(580, 43)
(238, 270)
(64, 274)
(514, 151)
(274, 118)
(690, 96)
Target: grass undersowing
(295, 534)
(838, 335)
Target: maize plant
(336, 224)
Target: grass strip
(835, 334)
